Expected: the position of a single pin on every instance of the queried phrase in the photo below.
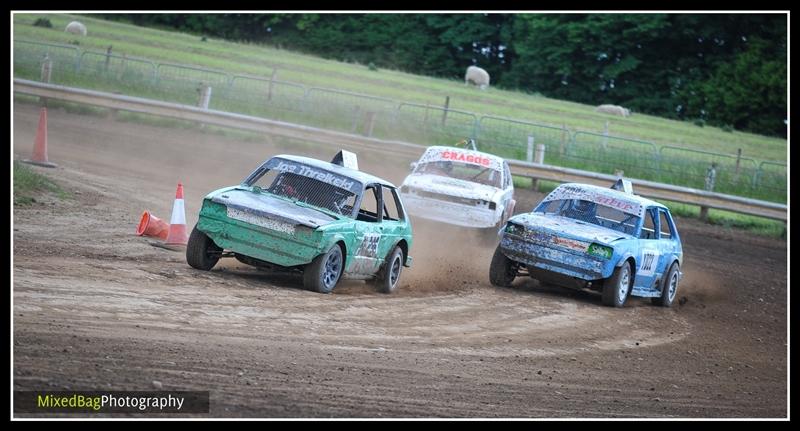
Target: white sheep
(477, 76)
(76, 27)
(614, 110)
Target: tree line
(727, 70)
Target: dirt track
(96, 307)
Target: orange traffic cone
(177, 227)
(150, 225)
(40, 143)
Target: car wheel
(670, 289)
(618, 287)
(201, 252)
(389, 277)
(503, 270)
(323, 273)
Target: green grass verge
(29, 184)
(260, 60)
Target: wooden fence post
(446, 108)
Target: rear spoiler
(346, 159)
(623, 186)
(469, 144)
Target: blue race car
(603, 239)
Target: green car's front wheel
(323, 273)
(201, 251)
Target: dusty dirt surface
(98, 308)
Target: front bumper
(271, 243)
(450, 212)
(552, 259)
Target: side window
(506, 175)
(666, 229)
(649, 227)
(391, 207)
(368, 211)
(550, 207)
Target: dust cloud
(699, 285)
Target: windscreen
(462, 171)
(591, 212)
(463, 165)
(310, 185)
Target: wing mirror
(413, 165)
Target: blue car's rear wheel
(670, 288)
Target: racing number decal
(369, 245)
(649, 262)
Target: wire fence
(368, 115)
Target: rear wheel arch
(510, 208)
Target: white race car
(460, 187)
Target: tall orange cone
(177, 227)
(40, 143)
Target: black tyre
(389, 276)
(323, 273)
(503, 270)
(201, 252)
(670, 289)
(618, 286)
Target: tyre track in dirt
(96, 307)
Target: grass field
(308, 70)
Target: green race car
(328, 220)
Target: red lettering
(469, 158)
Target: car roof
(608, 191)
(362, 177)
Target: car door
(507, 200)
(668, 241)
(394, 223)
(649, 254)
(368, 232)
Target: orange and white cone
(177, 227)
(40, 144)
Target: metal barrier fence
(711, 171)
(774, 177)
(261, 97)
(508, 138)
(389, 119)
(350, 112)
(434, 124)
